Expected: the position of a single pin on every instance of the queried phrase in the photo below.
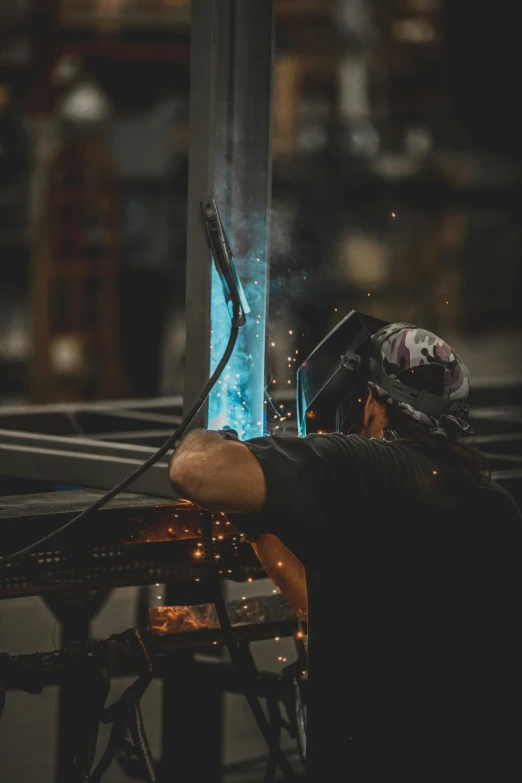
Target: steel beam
(242, 189)
(230, 160)
(200, 186)
(127, 405)
(81, 462)
(84, 421)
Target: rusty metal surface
(128, 542)
(128, 518)
(249, 611)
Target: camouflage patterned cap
(402, 347)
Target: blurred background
(397, 190)
(396, 185)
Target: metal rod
(200, 186)
(80, 462)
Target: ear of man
(375, 417)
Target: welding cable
(235, 653)
(237, 321)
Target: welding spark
(239, 401)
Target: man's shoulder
(381, 450)
(396, 457)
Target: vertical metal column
(191, 718)
(200, 186)
(230, 160)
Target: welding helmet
(332, 383)
(403, 365)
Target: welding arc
(169, 443)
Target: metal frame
(81, 462)
(82, 664)
(120, 438)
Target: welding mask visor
(332, 384)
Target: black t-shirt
(415, 594)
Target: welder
(392, 542)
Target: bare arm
(224, 475)
(285, 570)
(218, 474)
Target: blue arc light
(237, 399)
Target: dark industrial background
(397, 191)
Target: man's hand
(227, 432)
(217, 473)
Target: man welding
(389, 538)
